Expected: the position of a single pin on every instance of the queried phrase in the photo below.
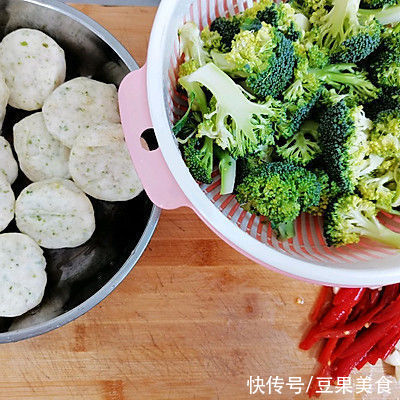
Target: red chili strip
(344, 366)
(334, 315)
(346, 296)
(327, 351)
(343, 346)
(323, 297)
(369, 338)
(389, 312)
(350, 328)
(324, 372)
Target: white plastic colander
(148, 99)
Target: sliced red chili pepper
(370, 337)
(385, 346)
(350, 328)
(346, 296)
(343, 346)
(323, 297)
(343, 367)
(374, 297)
(327, 351)
(324, 372)
(389, 312)
(391, 292)
(362, 362)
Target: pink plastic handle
(151, 167)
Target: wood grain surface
(192, 321)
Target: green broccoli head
(227, 28)
(385, 134)
(329, 191)
(343, 134)
(264, 57)
(310, 7)
(385, 66)
(303, 147)
(275, 76)
(348, 218)
(283, 17)
(300, 98)
(388, 99)
(340, 31)
(236, 123)
(383, 185)
(279, 191)
(211, 39)
(359, 46)
(374, 4)
(198, 155)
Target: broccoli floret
(346, 77)
(383, 186)
(279, 191)
(236, 123)
(329, 191)
(264, 58)
(343, 134)
(274, 79)
(349, 217)
(187, 126)
(374, 4)
(388, 99)
(384, 67)
(283, 17)
(385, 134)
(211, 39)
(250, 24)
(303, 147)
(300, 98)
(227, 170)
(310, 7)
(340, 30)
(198, 154)
(227, 28)
(192, 46)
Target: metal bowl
(79, 278)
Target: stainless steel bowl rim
(36, 330)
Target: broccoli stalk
(349, 217)
(227, 170)
(192, 46)
(237, 124)
(385, 15)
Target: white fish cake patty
(101, 166)
(78, 104)
(23, 276)
(40, 155)
(4, 97)
(33, 65)
(8, 165)
(55, 213)
(7, 203)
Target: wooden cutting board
(194, 320)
